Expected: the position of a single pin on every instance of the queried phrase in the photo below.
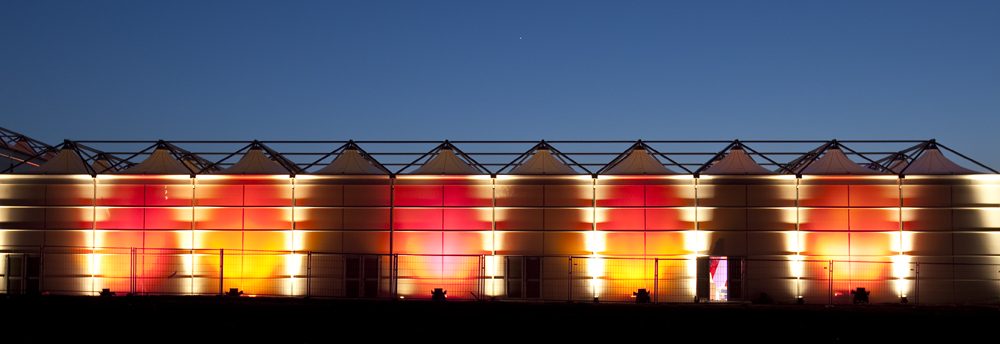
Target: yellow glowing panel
(669, 243)
(621, 243)
(568, 243)
(267, 240)
(218, 239)
(824, 244)
(874, 244)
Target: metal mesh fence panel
(459, 276)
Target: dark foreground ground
(223, 320)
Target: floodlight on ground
(439, 294)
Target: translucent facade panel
(22, 194)
(319, 218)
(823, 195)
(569, 195)
(569, 219)
(69, 194)
(723, 243)
(771, 219)
(229, 240)
(670, 219)
(218, 195)
(927, 244)
(824, 244)
(771, 243)
(22, 218)
(823, 219)
(467, 219)
(267, 240)
(874, 195)
(467, 242)
(722, 195)
(115, 238)
(121, 194)
(168, 239)
(621, 195)
(874, 219)
(975, 195)
(519, 219)
(976, 219)
(319, 195)
(621, 243)
(366, 242)
(468, 195)
(722, 219)
(69, 238)
(168, 195)
(519, 195)
(167, 218)
(417, 219)
(926, 219)
(670, 195)
(982, 243)
(771, 195)
(423, 242)
(21, 237)
(366, 218)
(519, 243)
(367, 195)
(267, 218)
(419, 195)
(621, 219)
(567, 243)
(69, 217)
(669, 243)
(120, 218)
(267, 195)
(926, 195)
(320, 241)
(218, 218)
(874, 244)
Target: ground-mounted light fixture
(234, 292)
(641, 296)
(860, 295)
(439, 294)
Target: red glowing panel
(669, 195)
(69, 194)
(268, 195)
(669, 219)
(366, 218)
(519, 219)
(418, 195)
(218, 218)
(874, 219)
(366, 195)
(467, 243)
(823, 195)
(519, 195)
(168, 195)
(823, 219)
(12, 194)
(569, 195)
(923, 219)
(267, 218)
(569, 219)
(229, 240)
(668, 243)
(120, 218)
(926, 195)
(120, 195)
(219, 195)
(319, 218)
(722, 219)
(417, 243)
(417, 219)
(366, 242)
(824, 244)
(76, 218)
(874, 244)
(167, 218)
(519, 243)
(267, 240)
(126, 239)
(168, 239)
(622, 243)
(567, 243)
(319, 195)
(722, 195)
(874, 195)
(621, 195)
(468, 219)
(468, 195)
(621, 219)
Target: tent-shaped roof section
(934, 162)
(161, 161)
(353, 160)
(636, 161)
(445, 161)
(737, 162)
(254, 161)
(67, 161)
(835, 162)
(542, 161)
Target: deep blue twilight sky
(433, 70)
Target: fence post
(222, 256)
(41, 270)
(916, 284)
(309, 264)
(394, 276)
(656, 280)
(829, 288)
(569, 282)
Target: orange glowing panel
(874, 244)
(14, 194)
(823, 195)
(622, 243)
(669, 219)
(267, 240)
(519, 195)
(366, 242)
(468, 195)
(121, 194)
(567, 243)
(119, 218)
(621, 219)
(366, 218)
(168, 239)
(268, 195)
(125, 239)
(519, 219)
(874, 219)
(926, 195)
(569, 219)
(417, 242)
(218, 218)
(319, 195)
(621, 195)
(519, 243)
(366, 195)
(569, 195)
(874, 195)
(69, 194)
(417, 219)
(168, 195)
(467, 243)
(228, 240)
(219, 195)
(824, 244)
(670, 195)
(267, 218)
(69, 217)
(823, 219)
(668, 243)
(167, 218)
(319, 218)
(926, 219)
(468, 219)
(418, 195)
